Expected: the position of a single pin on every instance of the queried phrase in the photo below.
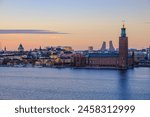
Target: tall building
(103, 48)
(111, 47)
(123, 49)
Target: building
(103, 48)
(123, 49)
(5, 49)
(111, 47)
(102, 59)
(78, 60)
(90, 48)
(113, 59)
(67, 48)
(20, 48)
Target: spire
(5, 49)
(103, 48)
(40, 48)
(123, 23)
(21, 48)
(111, 47)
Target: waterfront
(67, 83)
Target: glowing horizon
(88, 22)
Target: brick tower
(123, 49)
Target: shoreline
(61, 67)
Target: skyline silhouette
(88, 22)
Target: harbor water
(74, 84)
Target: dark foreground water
(51, 83)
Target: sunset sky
(76, 23)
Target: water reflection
(123, 85)
(42, 83)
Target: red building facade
(123, 49)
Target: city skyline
(79, 23)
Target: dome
(20, 48)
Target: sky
(76, 23)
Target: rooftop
(97, 55)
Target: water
(66, 83)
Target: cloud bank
(27, 31)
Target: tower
(123, 49)
(111, 47)
(103, 48)
(5, 49)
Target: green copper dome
(123, 32)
